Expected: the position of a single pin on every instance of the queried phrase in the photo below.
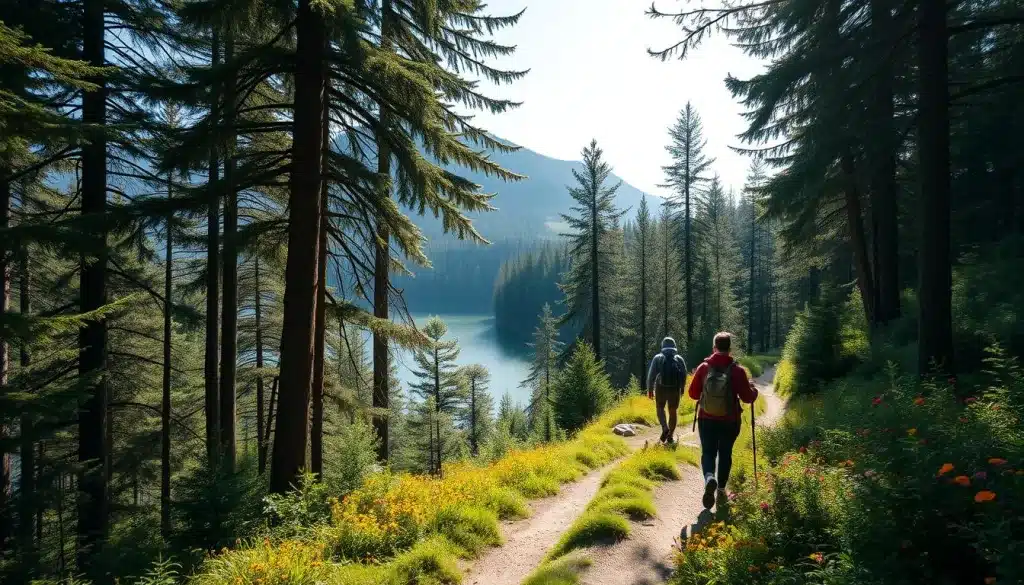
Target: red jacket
(743, 388)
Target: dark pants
(664, 396)
(716, 440)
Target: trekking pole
(753, 439)
(696, 407)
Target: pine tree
(583, 389)
(686, 176)
(595, 215)
(643, 273)
(512, 418)
(543, 373)
(440, 384)
(721, 255)
(478, 415)
(430, 35)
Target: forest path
(645, 558)
(529, 539)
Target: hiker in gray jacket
(665, 380)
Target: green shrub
(582, 390)
(591, 528)
(430, 562)
(561, 571)
(826, 341)
(884, 480)
(469, 528)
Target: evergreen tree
(592, 258)
(686, 176)
(512, 418)
(583, 390)
(478, 416)
(641, 276)
(543, 373)
(441, 384)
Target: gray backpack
(717, 397)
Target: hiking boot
(721, 497)
(664, 436)
(710, 486)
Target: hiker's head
(668, 343)
(723, 342)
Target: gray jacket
(654, 372)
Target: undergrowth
(876, 476)
(403, 528)
(626, 493)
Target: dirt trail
(645, 558)
(529, 539)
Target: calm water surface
(479, 345)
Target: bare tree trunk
(213, 280)
(855, 226)
(595, 299)
(6, 520)
(316, 435)
(381, 276)
(935, 330)
(93, 515)
(229, 282)
(261, 444)
(290, 441)
(270, 422)
(165, 410)
(29, 505)
(884, 190)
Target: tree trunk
(595, 299)
(229, 265)
(165, 410)
(753, 259)
(884, 190)
(270, 422)
(642, 234)
(437, 409)
(261, 444)
(92, 339)
(316, 435)
(668, 247)
(855, 226)
(29, 505)
(472, 417)
(688, 237)
(381, 276)
(935, 331)
(213, 281)
(6, 521)
(290, 441)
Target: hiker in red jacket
(718, 384)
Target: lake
(478, 343)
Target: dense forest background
(208, 211)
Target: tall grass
(404, 528)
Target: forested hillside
(216, 219)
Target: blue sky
(591, 77)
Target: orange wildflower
(946, 468)
(962, 480)
(919, 401)
(984, 496)
(817, 557)
(997, 461)
(911, 432)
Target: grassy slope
(420, 525)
